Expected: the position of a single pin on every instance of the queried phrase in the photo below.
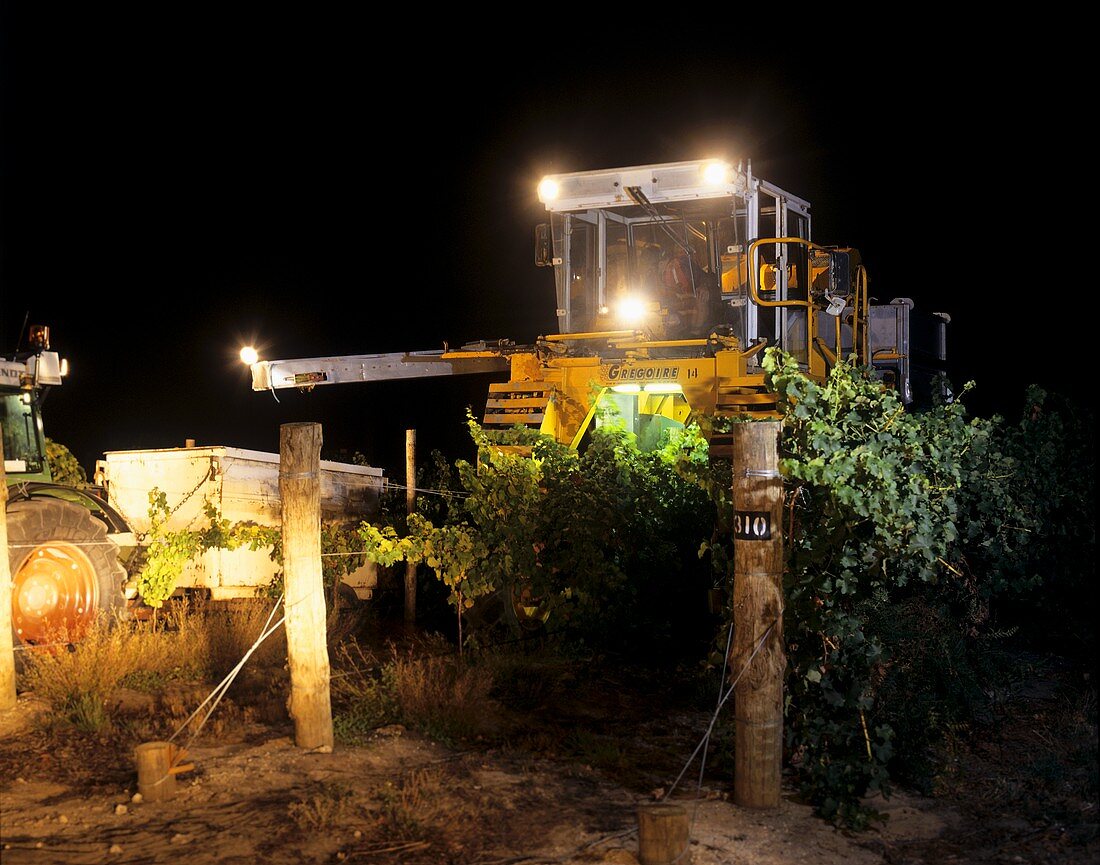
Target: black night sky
(175, 186)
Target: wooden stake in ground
(155, 770)
(410, 506)
(663, 834)
(757, 614)
(307, 650)
(7, 649)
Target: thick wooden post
(410, 506)
(757, 611)
(307, 650)
(7, 648)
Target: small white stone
(121, 809)
(358, 834)
(39, 845)
(136, 799)
(115, 848)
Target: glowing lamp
(716, 173)
(631, 310)
(548, 189)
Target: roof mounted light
(548, 189)
(716, 172)
(249, 355)
(663, 183)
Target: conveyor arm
(311, 371)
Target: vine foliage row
(918, 541)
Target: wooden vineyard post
(7, 647)
(410, 506)
(307, 650)
(757, 614)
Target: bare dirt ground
(558, 786)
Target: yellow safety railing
(859, 303)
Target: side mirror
(544, 248)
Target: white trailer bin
(244, 486)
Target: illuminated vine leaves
(873, 492)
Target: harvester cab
(666, 252)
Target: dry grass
(225, 630)
(188, 647)
(428, 804)
(324, 806)
(193, 647)
(443, 696)
(78, 682)
(426, 687)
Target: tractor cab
(23, 382)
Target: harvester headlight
(548, 189)
(64, 367)
(249, 355)
(716, 172)
(631, 310)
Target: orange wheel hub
(55, 593)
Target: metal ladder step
(512, 403)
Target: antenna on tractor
(22, 330)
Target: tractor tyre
(64, 570)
